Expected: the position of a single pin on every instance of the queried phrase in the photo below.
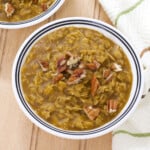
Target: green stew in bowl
(76, 78)
(19, 10)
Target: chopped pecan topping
(81, 66)
(61, 61)
(76, 76)
(73, 62)
(68, 55)
(91, 112)
(112, 105)
(78, 72)
(62, 68)
(58, 78)
(70, 71)
(61, 64)
(44, 6)
(73, 80)
(109, 78)
(97, 64)
(106, 73)
(9, 9)
(44, 65)
(116, 67)
(94, 85)
(93, 66)
(34, 1)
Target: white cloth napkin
(132, 18)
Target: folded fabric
(132, 19)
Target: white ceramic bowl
(35, 20)
(109, 32)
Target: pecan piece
(76, 76)
(69, 71)
(94, 85)
(97, 64)
(9, 9)
(91, 112)
(116, 67)
(109, 78)
(93, 66)
(61, 64)
(82, 65)
(44, 6)
(68, 55)
(58, 78)
(112, 105)
(44, 65)
(34, 1)
(78, 72)
(73, 62)
(62, 68)
(61, 61)
(106, 73)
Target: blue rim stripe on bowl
(34, 18)
(77, 22)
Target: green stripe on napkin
(127, 10)
(132, 134)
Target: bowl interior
(109, 32)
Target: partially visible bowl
(108, 31)
(35, 20)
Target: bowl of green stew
(77, 78)
(23, 13)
